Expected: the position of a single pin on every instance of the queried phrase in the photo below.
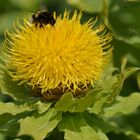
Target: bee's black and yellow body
(43, 18)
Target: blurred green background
(121, 17)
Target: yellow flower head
(68, 55)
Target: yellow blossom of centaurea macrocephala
(66, 56)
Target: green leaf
(99, 105)
(42, 106)
(91, 6)
(138, 80)
(65, 103)
(11, 88)
(102, 135)
(108, 83)
(125, 73)
(118, 81)
(123, 65)
(126, 124)
(117, 87)
(8, 124)
(133, 135)
(2, 137)
(100, 122)
(71, 104)
(5, 119)
(39, 126)
(130, 71)
(12, 129)
(75, 127)
(133, 121)
(12, 108)
(83, 103)
(123, 124)
(123, 105)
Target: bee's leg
(36, 24)
(41, 25)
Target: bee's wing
(43, 6)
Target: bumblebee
(42, 18)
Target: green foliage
(11, 88)
(109, 111)
(38, 126)
(12, 108)
(42, 107)
(124, 105)
(75, 127)
(68, 103)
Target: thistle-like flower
(65, 57)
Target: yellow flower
(68, 55)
